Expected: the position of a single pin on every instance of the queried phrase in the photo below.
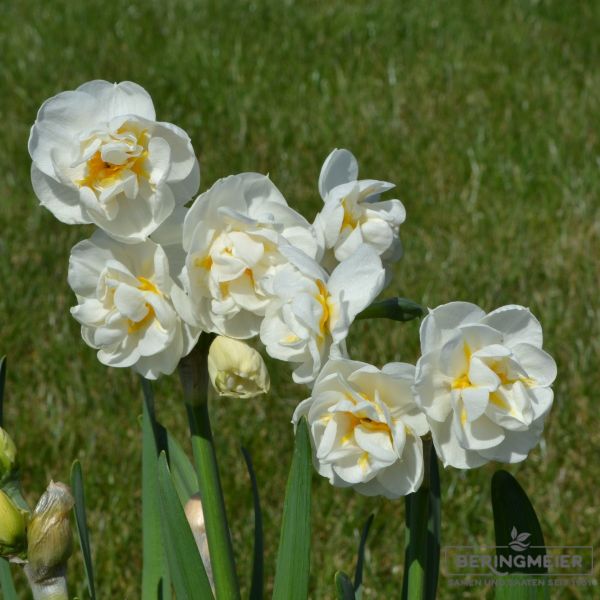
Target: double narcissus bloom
(99, 156)
(124, 305)
(365, 427)
(310, 316)
(232, 236)
(483, 382)
(352, 215)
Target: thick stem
(52, 588)
(422, 532)
(193, 370)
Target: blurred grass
(486, 117)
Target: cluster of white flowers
(241, 263)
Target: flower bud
(236, 369)
(13, 535)
(49, 537)
(8, 454)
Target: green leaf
(256, 588)
(82, 529)
(2, 383)
(155, 573)
(344, 587)
(397, 309)
(6, 582)
(293, 558)
(514, 517)
(185, 564)
(358, 573)
(182, 471)
(422, 554)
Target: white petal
(478, 434)
(475, 401)
(130, 303)
(378, 234)
(404, 476)
(516, 445)
(339, 167)
(539, 365)
(449, 450)
(357, 281)
(61, 200)
(440, 324)
(115, 99)
(376, 443)
(517, 325)
(432, 388)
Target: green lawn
(485, 115)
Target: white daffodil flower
(124, 305)
(236, 369)
(312, 312)
(99, 156)
(232, 234)
(352, 215)
(483, 382)
(365, 427)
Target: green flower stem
(420, 561)
(52, 588)
(193, 370)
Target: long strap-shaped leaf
(6, 583)
(256, 587)
(184, 476)
(293, 557)
(360, 560)
(516, 523)
(82, 528)
(155, 574)
(344, 587)
(185, 565)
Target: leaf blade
(185, 564)
(257, 584)
(6, 581)
(396, 309)
(82, 528)
(344, 587)
(293, 557)
(358, 573)
(155, 576)
(515, 516)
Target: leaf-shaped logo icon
(519, 540)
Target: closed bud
(236, 369)
(8, 454)
(49, 537)
(13, 527)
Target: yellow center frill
(145, 286)
(324, 299)
(100, 174)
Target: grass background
(486, 117)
